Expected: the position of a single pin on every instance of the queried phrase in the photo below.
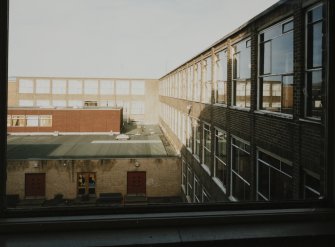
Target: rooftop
(144, 141)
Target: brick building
(248, 113)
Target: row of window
(274, 174)
(275, 76)
(137, 106)
(29, 120)
(92, 86)
(195, 192)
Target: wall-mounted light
(137, 164)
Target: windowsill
(196, 157)
(188, 198)
(219, 184)
(183, 188)
(206, 168)
(275, 114)
(240, 108)
(315, 121)
(184, 228)
(233, 199)
(220, 104)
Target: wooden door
(35, 184)
(136, 183)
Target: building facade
(137, 97)
(248, 113)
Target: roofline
(82, 78)
(260, 15)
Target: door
(35, 185)
(136, 183)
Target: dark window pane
(221, 171)
(240, 190)
(272, 32)
(312, 182)
(269, 160)
(315, 14)
(244, 165)
(314, 45)
(314, 95)
(288, 169)
(263, 179)
(281, 186)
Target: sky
(117, 38)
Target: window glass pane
(314, 93)
(32, 121)
(315, 14)
(137, 107)
(282, 54)
(42, 103)
(221, 77)
(45, 120)
(42, 86)
(59, 86)
(265, 56)
(288, 26)
(314, 45)
(91, 86)
(18, 121)
(26, 86)
(138, 87)
(75, 86)
(263, 181)
(23, 102)
(122, 87)
(75, 103)
(59, 103)
(106, 87)
(281, 186)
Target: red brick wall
(78, 120)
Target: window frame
(294, 214)
(261, 77)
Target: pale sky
(117, 38)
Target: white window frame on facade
(75, 86)
(190, 76)
(75, 103)
(18, 121)
(217, 159)
(205, 194)
(42, 86)
(247, 81)
(45, 120)
(271, 93)
(137, 107)
(43, 103)
(26, 103)
(9, 120)
(189, 188)
(197, 81)
(280, 170)
(221, 83)
(196, 188)
(59, 103)
(183, 175)
(206, 127)
(316, 192)
(232, 165)
(26, 86)
(59, 86)
(122, 87)
(138, 87)
(106, 87)
(91, 86)
(206, 89)
(32, 121)
(196, 124)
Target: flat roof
(145, 141)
